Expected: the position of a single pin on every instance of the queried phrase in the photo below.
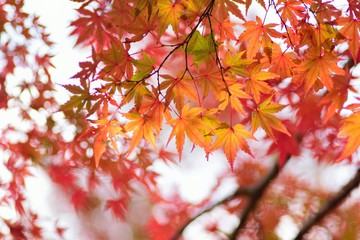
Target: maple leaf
(144, 21)
(201, 47)
(231, 139)
(226, 31)
(193, 8)
(117, 62)
(105, 129)
(350, 30)
(291, 10)
(100, 142)
(208, 78)
(91, 28)
(319, 66)
(154, 108)
(143, 126)
(236, 64)
(135, 91)
(256, 82)
(281, 63)
(263, 116)
(144, 67)
(258, 35)
(191, 123)
(222, 8)
(78, 101)
(178, 89)
(336, 97)
(233, 96)
(350, 129)
(169, 14)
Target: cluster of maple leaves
(215, 76)
(206, 70)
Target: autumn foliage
(250, 83)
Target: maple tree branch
(330, 205)
(246, 191)
(309, 9)
(217, 58)
(256, 195)
(283, 22)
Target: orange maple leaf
(350, 129)
(106, 130)
(258, 35)
(226, 31)
(336, 97)
(350, 30)
(292, 11)
(256, 82)
(209, 78)
(319, 66)
(143, 126)
(99, 147)
(231, 139)
(281, 63)
(178, 89)
(154, 107)
(223, 8)
(189, 122)
(233, 95)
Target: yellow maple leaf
(169, 14)
(256, 82)
(233, 96)
(263, 116)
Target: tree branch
(237, 193)
(330, 205)
(254, 193)
(254, 199)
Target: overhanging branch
(330, 205)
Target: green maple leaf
(201, 47)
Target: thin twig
(283, 22)
(330, 205)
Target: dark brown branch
(254, 193)
(283, 22)
(217, 58)
(254, 199)
(330, 205)
(237, 193)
